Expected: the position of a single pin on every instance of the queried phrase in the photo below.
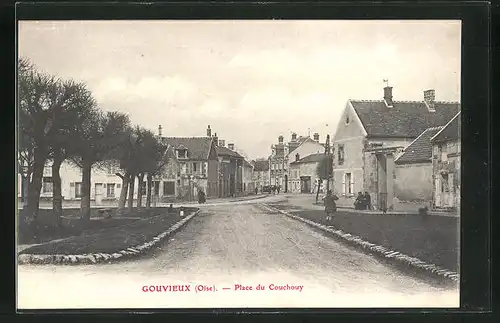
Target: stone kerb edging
(387, 253)
(104, 257)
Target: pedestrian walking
(256, 191)
(278, 189)
(330, 205)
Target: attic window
(181, 153)
(347, 119)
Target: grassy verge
(46, 228)
(111, 239)
(433, 239)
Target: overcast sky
(250, 80)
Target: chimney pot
(280, 139)
(316, 136)
(159, 130)
(209, 131)
(230, 146)
(430, 96)
(216, 139)
(294, 136)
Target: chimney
(216, 139)
(159, 130)
(294, 136)
(297, 157)
(280, 139)
(429, 98)
(230, 146)
(388, 96)
(316, 137)
(209, 131)
(222, 143)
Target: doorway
(305, 184)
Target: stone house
(195, 168)
(230, 170)
(303, 177)
(248, 182)
(261, 173)
(446, 152)
(413, 175)
(371, 134)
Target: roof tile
(420, 150)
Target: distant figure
(368, 201)
(359, 204)
(256, 191)
(201, 197)
(182, 211)
(274, 189)
(171, 209)
(278, 189)
(330, 205)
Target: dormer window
(181, 153)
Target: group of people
(363, 201)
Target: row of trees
(59, 120)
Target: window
(47, 185)
(194, 167)
(143, 188)
(181, 153)
(168, 188)
(443, 152)
(445, 187)
(110, 190)
(348, 185)
(118, 185)
(347, 119)
(78, 190)
(341, 154)
(204, 168)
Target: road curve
(230, 244)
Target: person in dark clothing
(368, 201)
(256, 191)
(359, 204)
(278, 189)
(171, 208)
(330, 205)
(201, 197)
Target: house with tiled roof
(230, 169)
(413, 172)
(371, 134)
(261, 173)
(195, 168)
(303, 177)
(284, 153)
(446, 152)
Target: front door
(305, 185)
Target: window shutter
(343, 184)
(352, 183)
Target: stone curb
(104, 257)
(387, 253)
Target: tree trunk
(85, 202)
(123, 194)
(140, 181)
(131, 193)
(25, 190)
(35, 186)
(57, 191)
(149, 180)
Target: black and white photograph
(238, 164)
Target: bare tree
(42, 100)
(323, 170)
(97, 139)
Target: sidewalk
(308, 202)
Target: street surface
(228, 244)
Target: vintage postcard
(238, 164)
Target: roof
(301, 140)
(224, 151)
(261, 165)
(198, 147)
(314, 158)
(450, 131)
(420, 150)
(406, 119)
(247, 164)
